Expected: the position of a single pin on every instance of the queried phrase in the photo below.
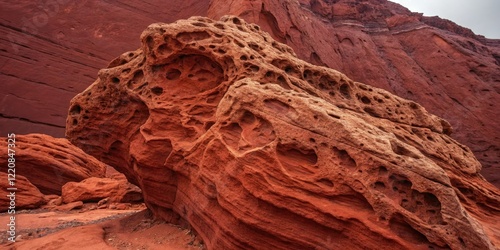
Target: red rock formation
(50, 162)
(449, 70)
(222, 126)
(26, 195)
(68, 207)
(95, 189)
(47, 43)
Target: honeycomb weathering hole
(297, 160)
(399, 149)
(256, 130)
(192, 36)
(188, 75)
(277, 106)
(75, 110)
(173, 74)
(137, 78)
(345, 91)
(157, 90)
(343, 158)
(249, 131)
(232, 134)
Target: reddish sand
(95, 229)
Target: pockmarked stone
(224, 128)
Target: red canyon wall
(53, 49)
(226, 129)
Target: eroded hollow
(248, 131)
(403, 229)
(192, 36)
(277, 106)
(342, 158)
(173, 74)
(296, 159)
(345, 90)
(75, 110)
(188, 75)
(399, 149)
(136, 79)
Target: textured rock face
(47, 43)
(49, 162)
(95, 189)
(26, 195)
(446, 68)
(223, 127)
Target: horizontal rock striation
(25, 195)
(49, 163)
(226, 129)
(94, 189)
(46, 43)
(446, 68)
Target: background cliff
(52, 50)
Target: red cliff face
(226, 129)
(449, 70)
(52, 51)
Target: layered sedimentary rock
(46, 43)
(48, 162)
(225, 128)
(25, 195)
(95, 189)
(447, 68)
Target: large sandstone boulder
(223, 127)
(24, 195)
(95, 189)
(442, 66)
(50, 162)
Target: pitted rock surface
(95, 189)
(446, 68)
(224, 128)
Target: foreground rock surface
(223, 127)
(449, 70)
(49, 163)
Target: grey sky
(481, 16)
